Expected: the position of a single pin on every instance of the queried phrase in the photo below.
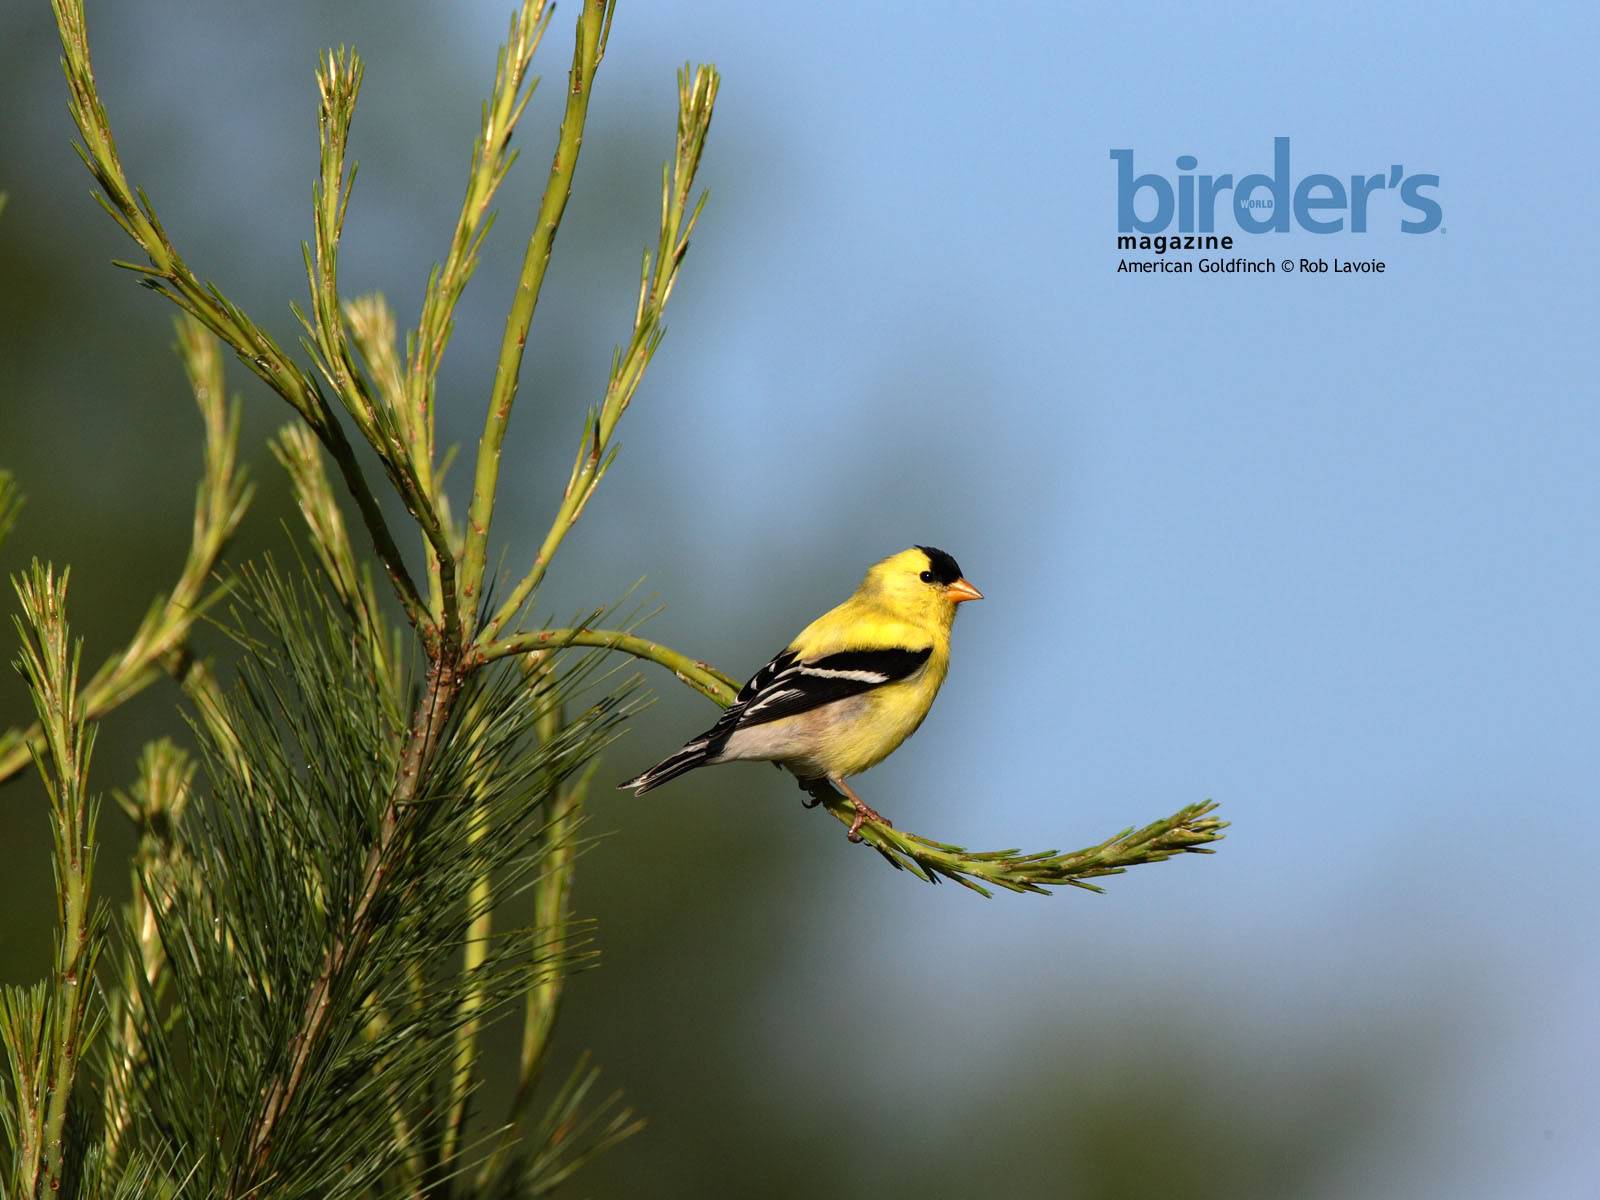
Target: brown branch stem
(432, 713)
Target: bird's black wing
(789, 685)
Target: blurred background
(1323, 549)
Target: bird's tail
(696, 754)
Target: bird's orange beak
(962, 590)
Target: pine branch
(552, 895)
(491, 160)
(475, 951)
(371, 326)
(296, 451)
(169, 275)
(697, 96)
(286, 1021)
(386, 424)
(589, 49)
(155, 804)
(220, 503)
(701, 676)
(428, 721)
(570, 1136)
(45, 1045)
(1186, 831)
(200, 685)
(305, 1043)
(408, 1175)
(552, 898)
(1189, 830)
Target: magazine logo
(1272, 203)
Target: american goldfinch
(851, 687)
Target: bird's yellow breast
(851, 735)
(893, 714)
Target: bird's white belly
(798, 742)
(842, 738)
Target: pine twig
(697, 97)
(474, 953)
(552, 895)
(43, 1088)
(297, 453)
(593, 22)
(570, 1136)
(1189, 830)
(552, 904)
(220, 504)
(701, 676)
(492, 158)
(380, 415)
(552, 915)
(155, 805)
(169, 275)
(429, 719)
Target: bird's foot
(813, 788)
(864, 811)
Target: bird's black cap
(945, 569)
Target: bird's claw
(864, 811)
(863, 815)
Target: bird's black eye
(926, 577)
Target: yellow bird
(851, 687)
